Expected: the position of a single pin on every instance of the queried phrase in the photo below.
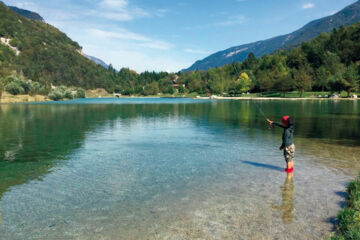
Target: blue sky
(168, 35)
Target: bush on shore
(62, 92)
(349, 217)
(16, 84)
(80, 93)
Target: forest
(330, 62)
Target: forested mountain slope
(347, 16)
(45, 54)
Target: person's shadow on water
(287, 204)
(263, 165)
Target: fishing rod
(260, 110)
(257, 106)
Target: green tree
(303, 81)
(170, 90)
(216, 81)
(244, 83)
(151, 89)
(322, 78)
(338, 83)
(193, 82)
(296, 59)
(284, 82)
(351, 78)
(265, 82)
(181, 89)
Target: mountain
(43, 53)
(25, 13)
(97, 61)
(347, 16)
(35, 16)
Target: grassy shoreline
(349, 217)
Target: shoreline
(274, 98)
(348, 223)
(10, 99)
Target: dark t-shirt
(288, 135)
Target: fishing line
(238, 75)
(260, 110)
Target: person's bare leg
(288, 166)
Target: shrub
(25, 85)
(128, 91)
(44, 90)
(80, 93)
(181, 89)
(117, 89)
(14, 88)
(56, 95)
(169, 90)
(68, 94)
(34, 88)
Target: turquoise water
(173, 169)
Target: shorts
(289, 153)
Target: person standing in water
(287, 141)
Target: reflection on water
(287, 203)
(172, 169)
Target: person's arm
(272, 123)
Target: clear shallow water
(172, 169)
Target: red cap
(285, 120)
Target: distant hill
(97, 61)
(25, 13)
(347, 16)
(45, 54)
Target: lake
(173, 169)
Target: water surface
(173, 169)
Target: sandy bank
(8, 98)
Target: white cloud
(229, 21)
(137, 39)
(232, 20)
(195, 51)
(308, 5)
(161, 12)
(119, 10)
(114, 4)
(156, 44)
(119, 34)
